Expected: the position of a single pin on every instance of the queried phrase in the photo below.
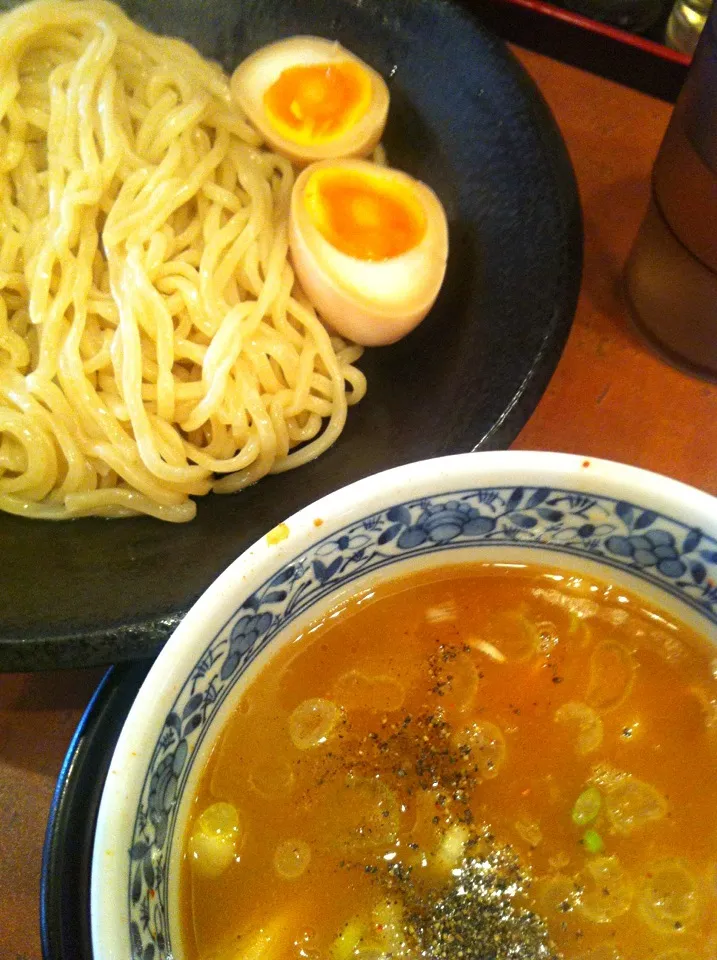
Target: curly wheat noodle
(153, 343)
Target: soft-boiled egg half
(311, 99)
(369, 245)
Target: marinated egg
(311, 99)
(369, 245)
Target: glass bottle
(671, 273)
(686, 23)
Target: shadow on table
(38, 715)
(607, 245)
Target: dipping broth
(474, 761)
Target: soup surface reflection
(471, 762)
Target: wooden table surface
(609, 397)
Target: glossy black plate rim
(143, 637)
(65, 932)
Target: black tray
(67, 855)
(632, 59)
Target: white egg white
(369, 302)
(253, 77)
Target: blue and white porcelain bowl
(644, 531)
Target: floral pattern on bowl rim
(658, 549)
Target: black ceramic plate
(464, 117)
(67, 857)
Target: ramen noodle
(153, 343)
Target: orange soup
(471, 762)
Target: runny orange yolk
(364, 216)
(314, 103)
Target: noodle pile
(153, 343)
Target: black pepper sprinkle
(479, 916)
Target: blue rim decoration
(658, 549)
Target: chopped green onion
(345, 945)
(587, 807)
(592, 841)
